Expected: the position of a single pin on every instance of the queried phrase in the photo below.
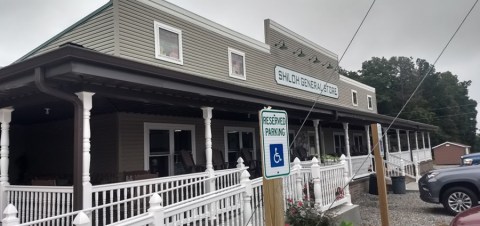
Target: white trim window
(354, 98)
(236, 139)
(163, 143)
(236, 64)
(370, 102)
(168, 43)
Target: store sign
(296, 80)
(274, 137)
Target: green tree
(441, 100)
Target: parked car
(470, 217)
(470, 159)
(457, 188)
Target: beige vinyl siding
(286, 59)
(205, 53)
(131, 142)
(131, 137)
(95, 33)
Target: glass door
(237, 139)
(163, 146)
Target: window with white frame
(370, 102)
(168, 43)
(236, 139)
(354, 98)
(236, 64)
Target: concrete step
(349, 213)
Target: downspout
(77, 134)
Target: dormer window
(236, 64)
(168, 43)
(370, 102)
(354, 98)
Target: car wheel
(458, 199)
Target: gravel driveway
(404, 210)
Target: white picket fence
(40, 202)
(238, 201)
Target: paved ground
(404, 210)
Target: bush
(306, 214)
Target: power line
(414, 91)
(332, 73)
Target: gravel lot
(404, 210)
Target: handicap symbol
(276, 155)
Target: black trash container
(398, 185)
(372, 184)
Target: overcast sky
(416, 28)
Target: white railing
(238, 204)
(326, 186)
(257, 202)
(134, 207)
(361, 166)
(38, 202)
(404, 155)
(397, 166)
(422, 155)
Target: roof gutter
(77, 133)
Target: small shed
(449, 153)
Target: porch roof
(75, 68)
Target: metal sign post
(275, 161)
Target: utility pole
(379, 169)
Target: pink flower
(300, 203)
(289, 200)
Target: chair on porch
(302, 154)
(218, 160)
(189, 163)
(254, 166)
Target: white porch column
(86, 98)
(398, 141)
(369, 146)
(423, 140)
(416, 146)
(347, 148)
(317, 140)
(387, 146)
(408, 144)
(408, 141)
(429, 143)
(5, 118)
(207, 116)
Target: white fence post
(417, 168)
(347, 179)
(240, 164)
(156, 209)
(298, 179)
(82, 220)
(316, 182)
(247, 197)
(10, 215)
